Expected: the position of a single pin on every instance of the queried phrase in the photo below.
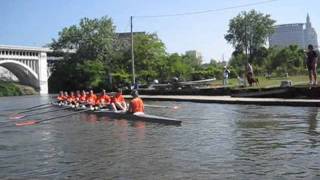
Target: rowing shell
(134, 117)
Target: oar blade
(27, 123)
(17, 117)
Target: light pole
(246, 47)
(132, 53)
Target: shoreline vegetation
(15, 89)
(299, 85)
(103, 57)
(266, 83)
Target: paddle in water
(27, 115)
(18, 113)
(32, 122)
(29, 108)
(38, 106)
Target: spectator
(312, 57)
(250, 74)
(226, 73)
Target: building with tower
(301, 34)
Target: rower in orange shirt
(91, 100)
(118, 102)
(103, 101)
(78, 95)
(83, 97)
(71, 99)
(60, 98)
(65, 98)
(136, 104)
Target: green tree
(150, 54)
(94, 42)
(249, 31)
(178, 67)
(286, 60)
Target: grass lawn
(267, 83)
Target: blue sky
(37, 22)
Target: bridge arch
(23, 72)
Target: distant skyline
(37, 22)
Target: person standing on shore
(249, 74)
(226, 73)
(312, 57)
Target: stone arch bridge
(28, 64)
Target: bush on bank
(9, 89)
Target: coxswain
(91, 100)
(136, 104)
(60, 98)
(103, 101)
(118, 102)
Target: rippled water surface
(215, 141)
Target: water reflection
(92, 118)
(140, 128)
(313, 116)
(121, 130)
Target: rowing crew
(104, 101)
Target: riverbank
(14, 89)
(267, 88)
(235, 100)
(300, 92)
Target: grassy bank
(14, 89)
(268, 83)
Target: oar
(27, 115)
(37, 106)
(34, 109)
(14, 109)
(24, 109)
(32, 122)
(158, 106)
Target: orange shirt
(65, 98)
(78, 97)
(60, 98)
(83, 98)
(118, 99)
(136, 105)
(105, 99)
(71, 99)
(91, 99)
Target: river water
(215, 141)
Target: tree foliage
(94, 41)
(249, 31)
(275, 60)
(102, 58)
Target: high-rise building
(196, 55)
(301, 34)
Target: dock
(235, 100)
